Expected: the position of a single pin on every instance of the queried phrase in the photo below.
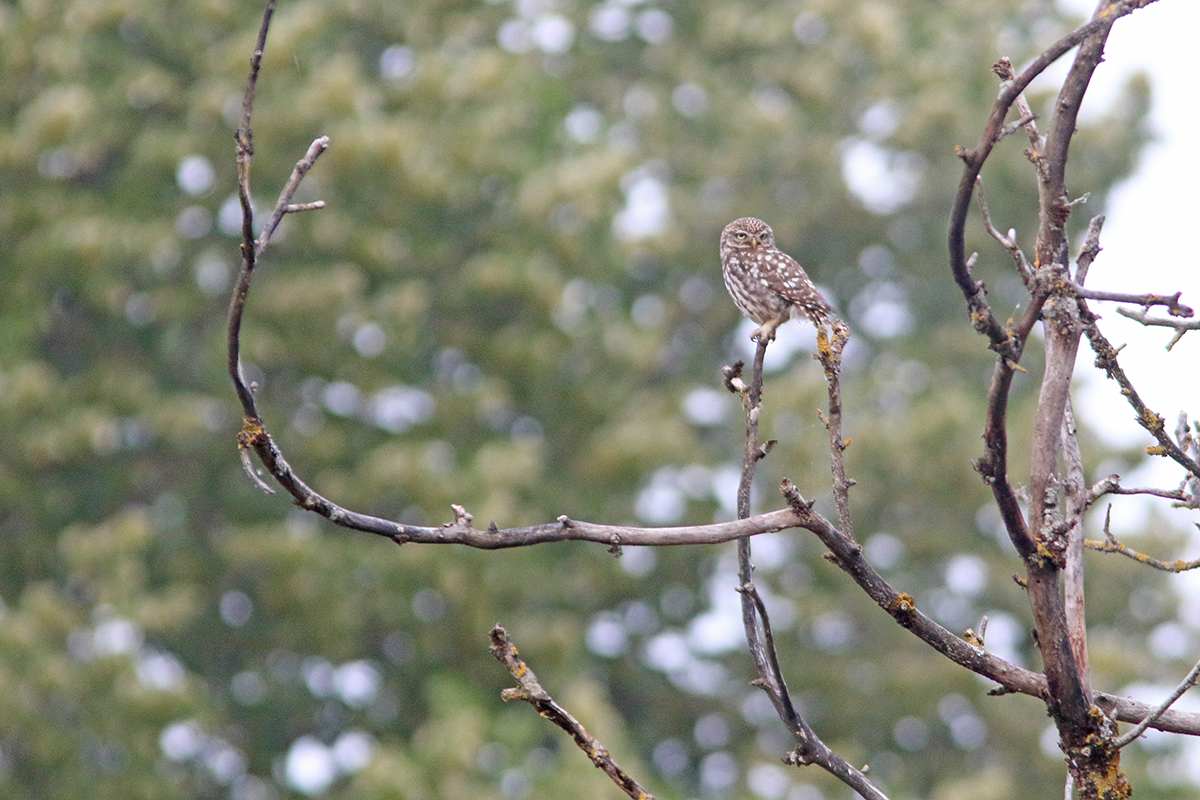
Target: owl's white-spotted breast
(767, 284)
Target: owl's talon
(757, 334)
(767, 329)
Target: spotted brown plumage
(767, 285)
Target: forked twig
(1112, 545)
(1180, 326)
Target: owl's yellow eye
(740, 235)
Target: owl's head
(747, 233)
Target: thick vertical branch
(1076, 491)
(1077, 494)
(1069, 699)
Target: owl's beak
(754, 241)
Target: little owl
(767, 284)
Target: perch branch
(810, 749)
(529, 690)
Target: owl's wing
(783, 275)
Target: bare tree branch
(1050, 541)
(254, 435)
(1187, 683)
(1111, 485)
(284, 204)
(244, 138)
(1027, 119)
(529, 690)
(901, 606)
(461, 531)
(981, 315)
(1115, 546)
(1069, 700)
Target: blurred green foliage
(512, 302)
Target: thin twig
(1111, 485)
(1106, 359)
(1112, 545)
(1027, 119)
(284, 204)
(244, 138)
(1007, 241)
(1181, 326)
(1171, 302)
(1140, 728)
(829, 352)
(529, 690)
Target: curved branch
(461, 531)
(254, 435)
